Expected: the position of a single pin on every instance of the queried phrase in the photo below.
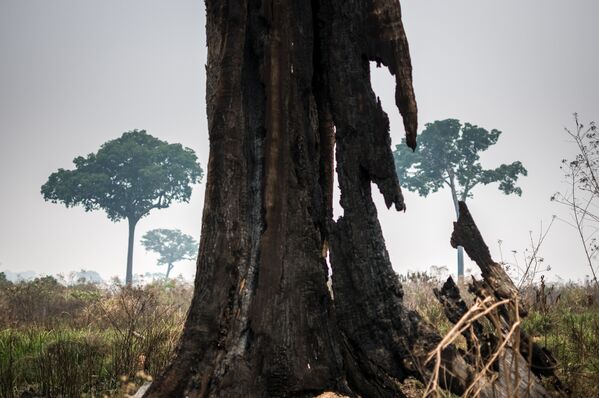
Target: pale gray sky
(75, 73)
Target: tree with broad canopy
(172, 245)
(127, 178)
(448, 155)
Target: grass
(58, 362)
(87, 341)
(564, 318)
(83, 341)
(567, 323)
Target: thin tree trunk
(460, 249)
(129, 275)
(169, 267)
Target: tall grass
(107, 339)
(564, 318)
(87, 341)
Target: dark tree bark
(287, 83)
(497, 284)
(512, 369)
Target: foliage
(562, 317)
(418, 296)
(127, 177)
(565, 319)
(43, 302)
(448, 154)
(113, 339)
(171, 244)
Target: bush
(106, 338)
(82, 340)
(44, 302)
(566, 321)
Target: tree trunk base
(288, 89)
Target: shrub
(88, 340)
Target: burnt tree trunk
(497, 285)
(288, 89)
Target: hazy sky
(76, 73)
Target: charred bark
(287, 83)
(512, 371)
(455, 308)
(383, 342)
(496, 284)
(261, 322)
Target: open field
(84, 341)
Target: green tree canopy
(127, 178)
(171, 245)
(448, 155)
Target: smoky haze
(75, 74)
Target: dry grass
(562, 317)
(83, 340)
(87, 341)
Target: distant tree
(172, 245)
(84, 277)
(448, 155)
(127, 178)
(4, 282)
